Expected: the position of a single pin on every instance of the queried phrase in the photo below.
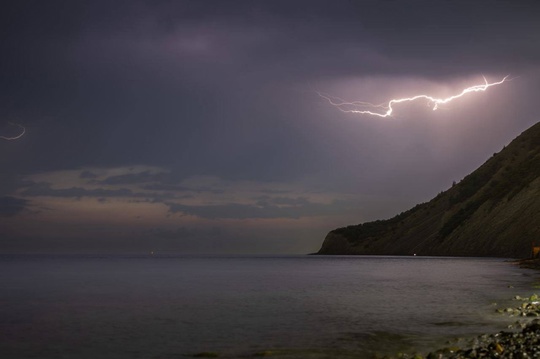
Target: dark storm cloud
(11, 206)
(181, 188)
(88, 175)
(133, 178)
(260, 210)
(227, 90)
(150, 193)
(45, 189)
(161, 181)
(180, 83)
(319, 38)
(266, 200)
(310, 38)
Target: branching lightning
(23, 131)
(387, 109)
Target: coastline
(522, 340)
(529, 263)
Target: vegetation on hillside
(492, 211)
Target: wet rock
(524, 345)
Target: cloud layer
(154, 118)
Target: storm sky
(196, 126)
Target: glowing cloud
(386, 110)
(23, 131)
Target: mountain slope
(494, 211)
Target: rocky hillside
(494, 211)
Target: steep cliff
(494, 211)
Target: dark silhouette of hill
(494, 211)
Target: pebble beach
(522, 340)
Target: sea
(174, 306)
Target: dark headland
(494, 211)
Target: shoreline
(519, 336)
(521, 343)
(528, 263)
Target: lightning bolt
(23, 131)
(387, 109)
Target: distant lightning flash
(366, 108)
(23, 131)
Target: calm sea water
(296, 306)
